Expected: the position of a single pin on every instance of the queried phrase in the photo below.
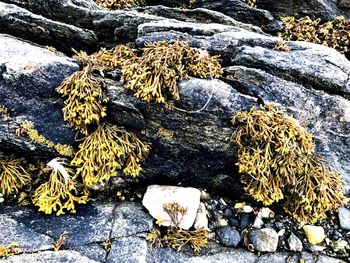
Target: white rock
(247, 209)
(157, 196)
(201, 218)
(295, 243)
(258, 222)
(266, 212)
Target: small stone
(314, 234)
(295, 243)
(344, 218)
(233, 222)
(266, 212)
(258, 222)
(157, 196)
(228, 212)
(264, 240)
(245, 220)
(239, 205)
(228, 236)
(339, 245)
(315, 248)
(204, 196)
(201, 218)
(1, 198)
(281, 232)
(222, 222)
(247, 209)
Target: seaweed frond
(84, 95)
(26, 128)
(10, 250)
(175, 212)
(13, 176)
(276, 159)
(61, 192)
(107, 150)
(115, 4)
(177, 238)
(154, 75)
(4, 114)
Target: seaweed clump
(13, 176)
(28, 129)
(115, 4)
(10, 250)
(107, 150)
(60, 193)
(277, 160)
(153, 76)
(334, 34)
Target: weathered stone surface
(344, 218)
(92, 251)
(344, 3)
(157, 196)
(128, 250)
(327, 259)
(278, 258)
(130, 218)
(295, 243)
(324, 9)
(28, 77)
(314, 234)
(21, 23)
(264, 240)
(201, 220)
(67, 256)
(226, 256)
(28, 239)
(228, 236)
(238, 10)
(92, 223)
(197, 15)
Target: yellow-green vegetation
(251, 3)
(107, 150)
(60, 193)
(26, 128)
(84, 95)
(115, 4)
(153, 76)
(276, 157)
(281, 45)
(4, 114)
(10, 250)
(176, 237)
(334, 34)
(13, 176)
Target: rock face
(264, 240)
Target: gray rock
(258, 222)
(327, 259)
(157, 196)
(295, 243)
(228, 236)
(92, 251)
(344, 218)
(201, 220)
(278, 257)
(28, 77)
(128, 250)
(238, 10)
(21, 23)
(344, 3)
(130, 218)
(28, 239)
(92, 223)
(67, 256)
(166, 255)
(226, 256)
(264, 240)
(324, 9)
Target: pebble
(339, 245)
(233, 222)
(245, 220)
(266, 212)
(247, 209)
(201, 220)
(295, 243)
(344, 218)
(264, 240)
(228, 236)
(258, 222)
(1, 198)
(222, 222)
(239, 205)
(314, 234)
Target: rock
(324, 9)
(344, 218)
(264, 240)
(258, 222)
(295, 243)
(245, 221)
(128, 250)
(130, 218)
(91, 224)
(228, 236)
(44, 31)
(327, 259)
(278, 257)
(226, 256)
(238, 10)
(201, 220)
(266, 212)
(339, 246)
(66, 256)
(28, 239)
(344, 3)
(247, 209)
(28, 77)
(92, 251)
(157, 196)
(314, 234)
